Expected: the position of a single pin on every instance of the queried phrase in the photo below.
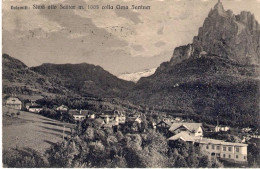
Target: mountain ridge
(84, 78)
(19, 79)
(69, 79)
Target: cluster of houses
(193, 133)
(176, 130)
(108, 118)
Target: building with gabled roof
(14, 103)
(76, 115)
(163, 127)
(164, 124)
(194, 129)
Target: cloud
(138, 47)
(159, 44)
(160, 31)
(25, 21)
(128, 14)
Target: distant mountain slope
(134, 77)
(66, 79)
(19, 79)
(216, 75)
(205, 86)
(85, 79)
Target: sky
(118, 40)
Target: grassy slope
(31, 131)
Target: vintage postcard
(130, 83)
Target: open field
(8, 120)
(32, 131)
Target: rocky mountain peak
(234, 37)
(219, 7)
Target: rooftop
(62, 106)
(73, 112)
(132, 119)
(84, 112)
(183, 136)
(169, 123)
(220, 142)
(31, 104)
(190, 126)
(13, 100)
(186, 137)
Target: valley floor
(30, 130)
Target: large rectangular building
(233, 152)
(228, 151)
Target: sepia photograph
(130, 84)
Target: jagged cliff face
(236, 37)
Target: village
(205, 136)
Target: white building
(232, 152)
(221, 128)
(14, 103)
(78, 115)
(35, 109)
(62, 108)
